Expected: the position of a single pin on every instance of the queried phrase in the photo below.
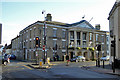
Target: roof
(15, 38)
(54, 23)
(82, 24)
(9, 46)
(113, 9)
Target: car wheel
(76, 60)
(5, 63)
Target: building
(114, 26)
(0, 33)
(75, 39)
(83, 39)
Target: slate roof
(63, 24)
(68, 25)
(80, 22)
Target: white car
(105, 58)
(80, 58)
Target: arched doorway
(85, 55)
(79, 53)
(92, 55)
(71, 55)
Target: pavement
(37, 66)
(107, 70)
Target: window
(78, 42)
(34, 31)
(71, 42)
(107, 38)
(63, 44)
(107, 46)
(54, 32)
(78, 35)
(84, 43)
(40, 31)
(71, 34)
(30, 33)
(63, 34)
(63, 53)
(97, 37)
(55, 45)
(91, 36)
(90, 44)
(102, 38)
(84, 36)
(30, 45)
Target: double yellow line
(27, 67)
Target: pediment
(83, 25)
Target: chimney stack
(97, 26)
(48, 17)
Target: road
(17, 69)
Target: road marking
(27, 67)
(15, 69)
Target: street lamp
(44, 12)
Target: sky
(15, 15)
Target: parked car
(106, 58)
(73, 59)
(12, 57)
(78, 59)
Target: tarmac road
(19, 70)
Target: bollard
(40, 63)
(48, 61)
(103, 63)
(96, 63)
(8, 60)
(113, 66)
(67, 63)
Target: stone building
(75, 39)
(114, 26)
(83, 39)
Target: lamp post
(44, 27)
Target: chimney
(97, 26)
(48, 17)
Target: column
(68, 38)
(75, 39)
(94, 45)
(105, 45)
(87, 39)
(87, 42)
(81, 39)
(75, 42)
(93, 40)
